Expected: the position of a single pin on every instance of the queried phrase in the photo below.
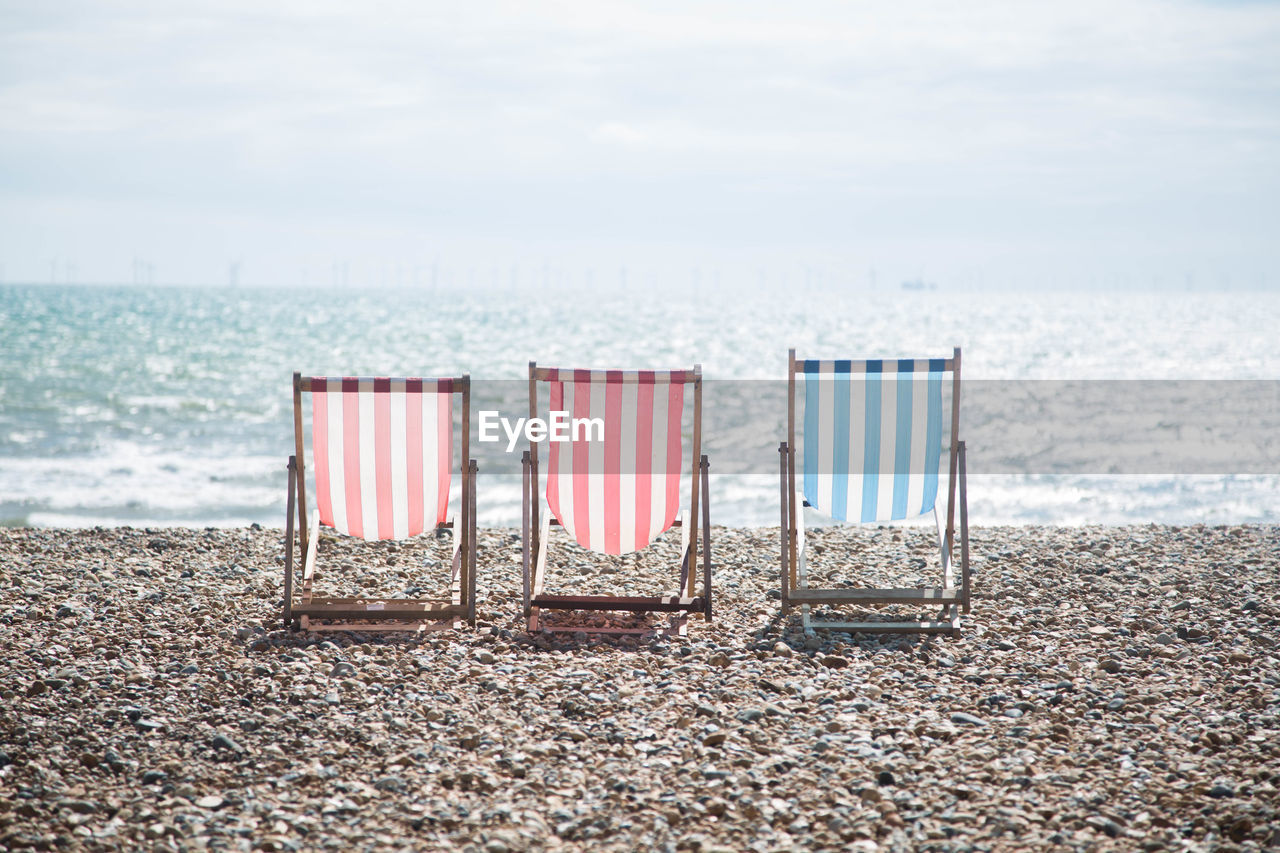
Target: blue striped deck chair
(872, 452)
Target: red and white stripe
(383, 453)
(615, 495)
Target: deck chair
(382, 451)
(872, 451)
(613, 492)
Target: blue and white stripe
(872, 437)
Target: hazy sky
(992, 142)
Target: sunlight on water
(148, 406)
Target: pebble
(224, 742)
(1075, 705)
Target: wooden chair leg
(539, 570)
(471, 549)
(288, 543)
(964, 532)
(525, 531)
(784, 529)
(706, 537)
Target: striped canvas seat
(382, 451)
(614, 495)
(614, 484)
(872, 437)
(383, 454)
(873, 446)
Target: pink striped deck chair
(382, 453)
(613, 484)
(873, 442)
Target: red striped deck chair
(614, 485)
(872, 453)
(382, 454)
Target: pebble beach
(1113, 688)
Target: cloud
(715, 122)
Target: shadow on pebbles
(1114, 688)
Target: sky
(985, 143)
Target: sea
(155, 406)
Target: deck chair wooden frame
(536, 528)
(952, 599)
(370, 613)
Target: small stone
(152, 777)
(1166, 639)
(1181, 605)
(1109, 665)
(1116, 704)
(224, 742)
(719, 659)
(36, 687)
(484, 656)
(89, 759)
(782, 650)
(884, 777)
(1219, 792)
(963, 719)
(812, 644)
(342, 669)
(749, 715)
(1013, 713)
(390, 783)
(5, 760)
(210, 801)
(715, 738)
(835, 661)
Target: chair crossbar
(929, 595)
(632, 603)
(380, 610)
(623, 377)
(380, 384)
(813, 366)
